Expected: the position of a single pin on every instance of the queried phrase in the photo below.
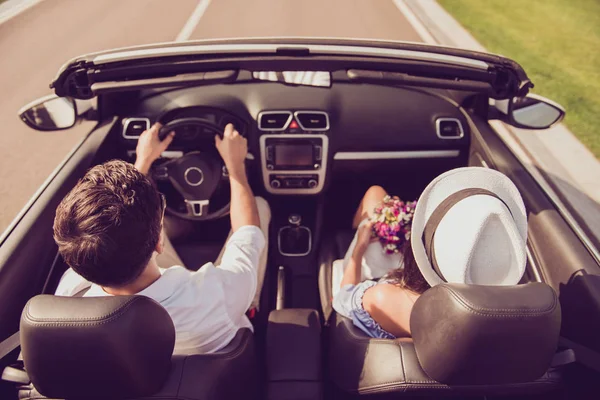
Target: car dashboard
(297, 135)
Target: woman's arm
(372, 198)
(352, 273)
(390, 306)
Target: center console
(294, 160)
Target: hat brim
(451, 182)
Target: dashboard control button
(161, 172)
(312, 183)
(317, 166)
(318, 153)
(269, 166)
(275, 184)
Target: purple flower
(392, 223)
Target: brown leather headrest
(102, 347)
(471, 334)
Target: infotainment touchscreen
(296, 155)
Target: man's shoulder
(71, 283)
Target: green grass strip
(558, 44)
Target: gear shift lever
(294, 240)
(295, 219)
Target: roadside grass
(558, 44)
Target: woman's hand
(364, 238)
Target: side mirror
(529, 112)
(50, 113)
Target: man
(109, 231)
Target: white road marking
(12, 8)
(192, 21)
(415, 22)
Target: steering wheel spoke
(161, 173)
(197, 175)
(197, 208)
(224, 173)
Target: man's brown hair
(109, 224)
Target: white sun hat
(470, 226)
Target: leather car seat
(467, 340)
(122, 347)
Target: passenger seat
(467, 340)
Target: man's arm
(233, 149)
(239, 265)
(150, 147)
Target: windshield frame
(506, 77)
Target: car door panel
(563, 260)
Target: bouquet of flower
(392, 222)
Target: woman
(469, 227)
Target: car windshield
(306, 78)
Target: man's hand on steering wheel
(150, 147)
(198, 174)
(233, 149)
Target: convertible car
(324, 119)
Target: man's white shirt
(208, 306)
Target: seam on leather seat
(233, 354)
(404, 368)
(405, 386)
(402, 360)
(181, 376)
(362, 339)
(389, 384)
(491, 311)
(241, 348)
(470, 388)
(108, 317)
(352, 337)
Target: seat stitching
(359, 339)
(395, 382)
(227, 356)
(393, 385)
(437, 385)
(468, 303)
(112, 314)
(490, 312)
(402, 360)
(404, 368)
(181, 376)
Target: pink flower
(392, 222)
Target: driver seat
(122, 347)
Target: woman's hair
(409, 276)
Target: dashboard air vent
(449, 128)
(133, 127)
(274, 120)
(312, 120)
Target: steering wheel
(197, 175)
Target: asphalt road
(35, 43)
